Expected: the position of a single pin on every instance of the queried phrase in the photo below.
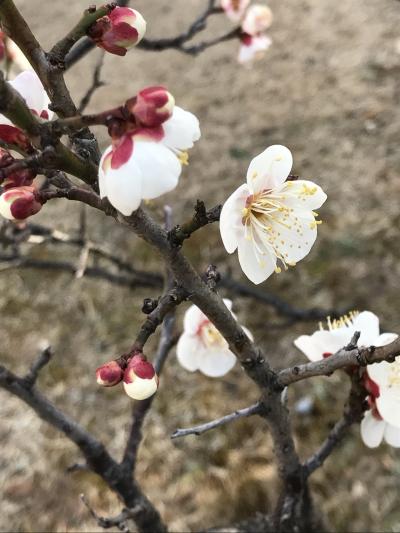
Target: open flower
(140, 378)
(19, 203)
(382, 381)
(252, 47)
(269, 219)
(325, 342)
(202, 347)
(235, 9)
(145, 163)
(123, 28)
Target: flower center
(394, 375)
(183, 158)
(211, 337)
(267, 216)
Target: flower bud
(120, 30)
(152, 106)
(140, 378)
(19, 203)
(109, 374)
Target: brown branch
(203, 428)
(42, 360)
(353, 413)
(96, 84)
(343, 358)
(97, 457)
(201, 218)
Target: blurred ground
(328, 89)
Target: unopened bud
(109, 374)
(19, 203)
(140, 378)
(123, 28)
(152, 106)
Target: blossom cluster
(254, 20)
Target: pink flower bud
(109, 374)
(120, 30)
(152, 106)
(140, 378)
(19, 203)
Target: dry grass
(328, 89)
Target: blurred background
(328, 88)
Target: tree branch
(203, 428)
(201, 218)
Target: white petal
(388, 405)
(302, 194)
(248, 333)
(160, 168)
(228, 303)
(320, 342)
(256, 269)
(216, 362)
(293, 235)
(254, 50)
(140, 389)
(123, 187)
(193, 319)
(368, 324)
(372, 430)
(181, 130)
(188, 351)
(385, 338)
(32, 91)
(230, 223)
(379, 372)
(102, 176)
(269, 169)
(392, 435)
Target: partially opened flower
(123, 28)
(152, 106)
(140, 378)
(235, 9)
(202, 347)
(32, 91)
(380, 378)
(19, 203)
(270, 219)
(339, 333)
(258, 18)
(252, 47)
(145, 162)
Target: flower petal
(188, 351)
(215, 363)
(160, 168)
(193, 319)
(123, 186)
(385, 338)
(269, 169)
(181, 130)
(392, 435)
(302, 194)
(32, 91)
(388, 404)
(368, 324)
(230, 223)
(253, 48)
(372, 430)
(314, 346)
(257, 269)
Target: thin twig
(203, 428)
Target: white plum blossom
(32, 91)
(382, 380)
(258, 18)
(147, 163)
(202, 347)
(235, 9)
(252, 48)
(270, 218)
